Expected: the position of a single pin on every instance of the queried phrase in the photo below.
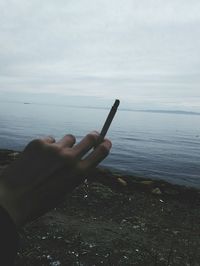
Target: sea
(157, 145)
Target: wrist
(9, 239)
(6, 204)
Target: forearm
(8, 239)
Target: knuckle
(53, 149)
(67, 156)
(71, 156)
(70, 136)
(35, 144)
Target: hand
(45, 171)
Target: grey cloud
(101, 47)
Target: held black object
(108, 121)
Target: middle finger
(67, 141)
(86, 144)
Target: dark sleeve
(8, 239)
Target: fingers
(86, 144)
(93, 159)
(67, 141)
(38, 143)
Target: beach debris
(123, 221)
(13, 155)
(175, 232)
(143, 227)
(91, 245)
(122, 181)
(136, 226)
(147, 182)
(102, 192)
(49, 257)
(55, 263)
(75, 254)
(156, 191)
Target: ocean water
(156, 145)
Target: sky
(145, 52)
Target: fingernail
(108, 144)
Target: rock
(156, 191)
(122, 181)
(102, 192)
(136, 226)
(49, 257)
(147, 182)
(55, 263)
(13, 154)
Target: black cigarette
(108, 121)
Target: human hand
(45, 171)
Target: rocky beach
(115, 219)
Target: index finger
(86, 144)
(95, 157)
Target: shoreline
(115, 219)
(123, 179)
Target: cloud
(103, 48)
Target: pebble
(156, 191)
(13, 154)
(122, 181)
(92, 245)
(136, 226)
(49, 257)
(55, 263)
(147, 182)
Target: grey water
(149, 144)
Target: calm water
(156, 145)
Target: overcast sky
(146, 52)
